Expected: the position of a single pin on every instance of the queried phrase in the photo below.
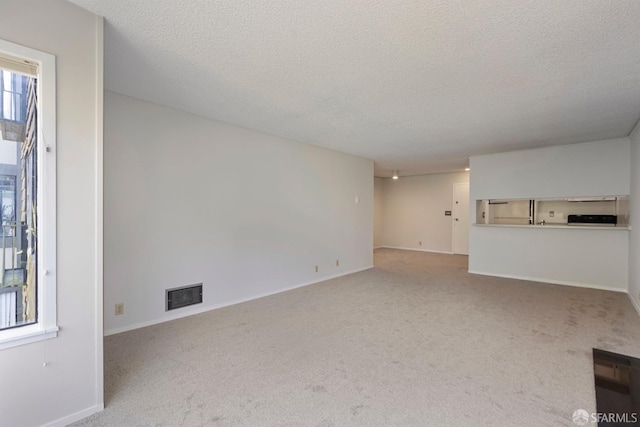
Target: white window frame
(46, 325)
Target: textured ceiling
(414, 85)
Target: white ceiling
(417, 86)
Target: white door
(461, 218)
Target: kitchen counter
(557, 226)
(587, 256)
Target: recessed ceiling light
(467, 169)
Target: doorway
(461, 218)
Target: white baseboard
(417, 250)
(634, 303)
(198, 310)
(553, 282)
(77, 416)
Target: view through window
(18, 200)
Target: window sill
(26, 335)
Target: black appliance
(600, 220)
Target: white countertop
(556, 226)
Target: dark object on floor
(617, 380)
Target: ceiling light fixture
(395, 174)
(467, 169)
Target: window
(27, 195)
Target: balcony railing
(12, 276)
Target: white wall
(590, 258)
(71, 385)
(190, 200)
(588, 169)
(634, 238)
(378, 206)
(414, 209)
(596, 258)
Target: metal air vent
(184, 296)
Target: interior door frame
(453, 216)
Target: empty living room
(304, 213)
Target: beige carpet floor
(416, 341)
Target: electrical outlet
(119, 309)
(337, 263)
(551, 214)
(316, 268)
